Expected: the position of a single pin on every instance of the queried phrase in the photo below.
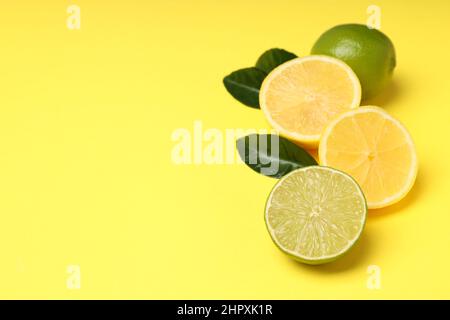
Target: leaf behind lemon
(244, 85)
(272, 58)
(272, 155)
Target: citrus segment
(300, 97)
(315, 214)
(375, 149)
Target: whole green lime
(369, 52)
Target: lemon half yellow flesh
(300, 97)
(375, 149)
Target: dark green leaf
(244, 85)
(272, 155)
(272, 58)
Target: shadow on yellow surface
(358, 255)
(354, 258)
(393, 90)
(412, 197)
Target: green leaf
(244, 85)
(272, 155)
(272, 58)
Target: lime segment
(316, 214)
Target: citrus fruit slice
(300, 97)
(316, 214)
(375, 149)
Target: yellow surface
(87, 178)
(375, 149)
(300, 97)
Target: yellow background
(86, 176)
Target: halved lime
(316, 214)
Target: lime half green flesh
(316, 214)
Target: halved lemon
(316, 214)
(300, 97)
(375, 149)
